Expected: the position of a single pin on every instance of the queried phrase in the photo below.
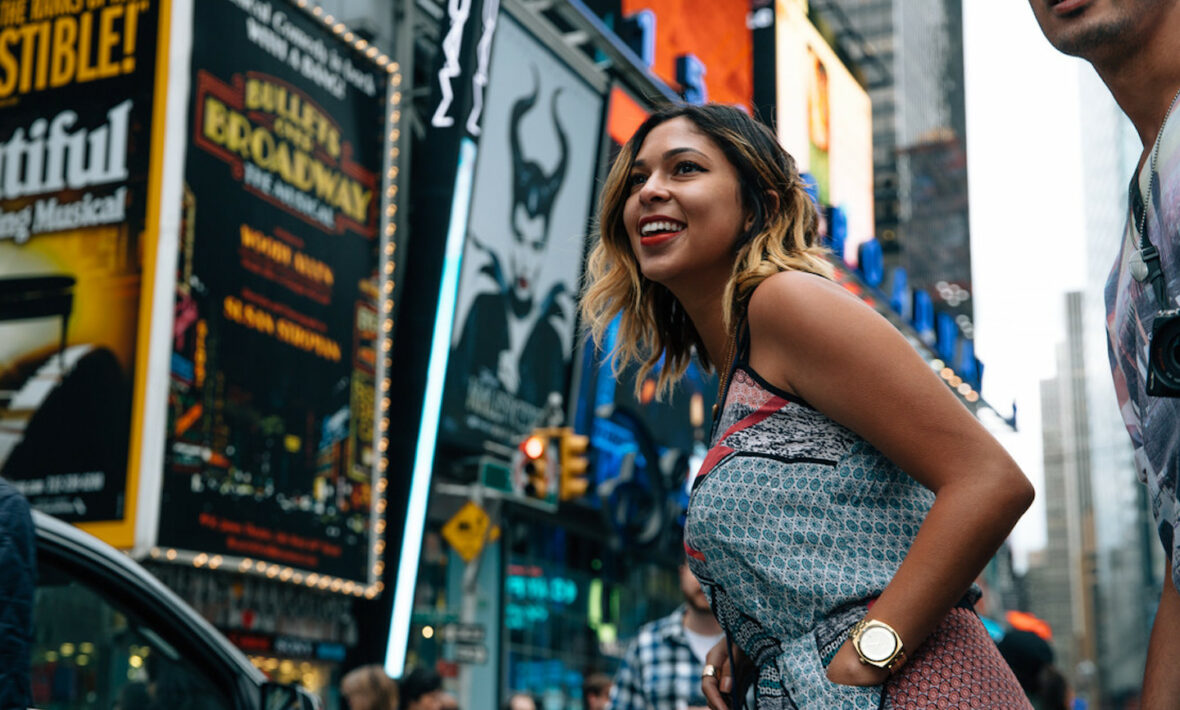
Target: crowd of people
(369, 688)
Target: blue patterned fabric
(794, 523)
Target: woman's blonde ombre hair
(781, 237)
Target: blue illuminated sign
(948, 337)
(532, 596)
(837, 230)
(923, 319)
(900, 299)
(690, 74)
(871, 262)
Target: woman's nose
(654, 189)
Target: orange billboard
(715, 33)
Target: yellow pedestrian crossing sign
(466, 530)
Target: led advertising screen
(703, 43)
(271, 453)
(79, 119)
(530, 207)
(825, 121)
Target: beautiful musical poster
(79, 115)
(271, 450)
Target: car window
(91, 652)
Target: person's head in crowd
(449, 701)
(1027, 654)
(369, 688)
(519, 701)
(694, 595)
(596, 691)
(133, 696)
(1055, 693)
(421, 689)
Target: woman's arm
(811, 337)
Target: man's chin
(1093, 37)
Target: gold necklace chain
(723, 374)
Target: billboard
(278, 333)
(530, 207)
(825, 121)
(702, 45)
(81, 126)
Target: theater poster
(270, 454)
(79, 117)
(531, 204)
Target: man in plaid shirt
(661, 669)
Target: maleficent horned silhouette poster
(531, 202)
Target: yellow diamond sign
(466, 530)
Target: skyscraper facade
(910, 55)
(1062, 582)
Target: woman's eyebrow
(670, 153)
(677, 151)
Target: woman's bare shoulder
(800, 299)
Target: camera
(1163, 355)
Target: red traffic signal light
(534, 463)
(533, 447)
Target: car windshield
(91, 651)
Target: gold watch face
(877, 644)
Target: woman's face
(684, 210)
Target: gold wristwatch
(877, 644)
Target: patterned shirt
(659, 670)
(1153, 422)
(794, 523)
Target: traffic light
(573, 483)
(534, 452)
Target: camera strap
(1149, 255)
(1146, 263)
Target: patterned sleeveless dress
(795, 523)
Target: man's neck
(1145, 80)
(701, 622)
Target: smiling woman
(848, 500)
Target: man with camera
(1132, 44)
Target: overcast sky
(1023, 143)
